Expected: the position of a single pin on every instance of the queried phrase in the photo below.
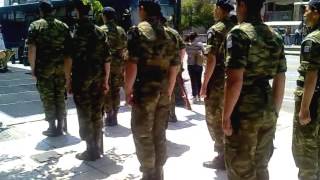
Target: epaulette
(133, 33)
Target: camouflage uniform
(117, 39)
(90, 53)
(305, 144)
(259, 50)
(50, 36)
(214, 100)
(180, 45)
(152, 48)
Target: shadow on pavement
(117, 131)
(176, 150)
(221, 175)
(57, 142)
(109, 163)
(180, 125)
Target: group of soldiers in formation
(242, 107)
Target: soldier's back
(90, 50)
(155, 51)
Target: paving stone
(46, 156)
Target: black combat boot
(59, 130)
(148, 174)
(107, 120)
(51, 131)
(158, 174)
(90, 154)
(173, 118)
(217, 163)
(113, 120)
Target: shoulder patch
(210, 34)
(306, 49)
(229, 41)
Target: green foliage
(196, 13)
(95, 4)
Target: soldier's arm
(32, 48)
(308, 90)
(311, 63)
(211, 63)
(237, 53)
(32, 51)
(212, 44)
(131, 67)
(278, 84)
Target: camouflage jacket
(309, 59)
(154, 50)
(117, 38)
(90, 51)
(180, 42)
(260, 51)
(51, 38)
(216, 45)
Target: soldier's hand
(304, 117)
(129, 99)
(68, 86)
(226, 126)
(203, 91)
(106, 87)
(33, 75)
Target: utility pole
(178, 15)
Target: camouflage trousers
(112, 99)
(148, 125)
(214, 108)
(247, 152)
(89, 98)
(52, 94)
(306, 146)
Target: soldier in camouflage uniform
(118, 42)
(47, 42)
(213, 84)
(182, 51)
(149, 81)
(90, 65)
(306, 137)
(255, 55)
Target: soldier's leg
(159, 133)
(305, 147)
(142, 123)
(172, 112)
(265, 146)
(240, 151)
(60, 103)
(97, 100)
(214, 106)
(115, 105)
(47, 95)
(108, 108)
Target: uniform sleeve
(213, 42)
(181, 43)
(283, 61)
(237, 47)
(107, 50)
(133, 44)
(310, 55)
(68, 42)
(175, 60)
(32, 34)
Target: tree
(196, 13)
